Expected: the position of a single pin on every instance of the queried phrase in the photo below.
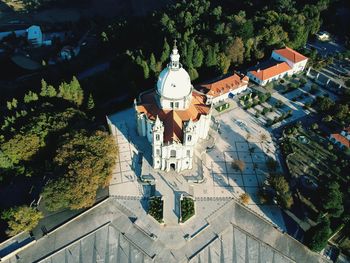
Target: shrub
(238, 165)
(156, 208)
(244, 198)
(187, 208)
(316, 237)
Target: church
(174, 117)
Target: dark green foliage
(90, 103)
(187, 208)
(316, 237)
(281, 186)
(155, 208)
(332, 199)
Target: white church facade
(173, 117)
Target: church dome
(174, 82)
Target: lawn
(155, 208)
(187, 209)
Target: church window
(157, 137)
(171, 104)
(172, 153)
(176, 105)
(189, 138)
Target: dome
(174, 82)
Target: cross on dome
(174, 58)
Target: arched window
(189, 138)
(157, 137)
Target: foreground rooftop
(108, 232)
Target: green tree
(152, 63)
(72, 91)
(145, 69)
(165, 52)
(316, 237)
(43, 91)
(224, 63)
(84, 162)
(332, 199)
(20, 148)
(193, 73)
(235, 51)
(281, 186)
(198, 58)
(90, 103)
(30, 96)
(21, 218)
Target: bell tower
(158, 133)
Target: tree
(324, 103)
(72, 91)
(21, 218)
(30, 96)
(145, 69)
(316, 237)
(193, 73)
(244, 198)
(281, 186)
(332, 199)
(43, 92)
(166, 51)
(271, 164)
(152, 63)
(223, 63)
(22, 147)
(238, 165)
(235, 51)
(198, 58)
(84, 163)
(91, 103)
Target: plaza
(238, 138)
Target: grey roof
(106, 234)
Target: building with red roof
(284, 62)
(220, 90)
(341, 139)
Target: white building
(173, 117)
(295, 60)
(285, 62)
(35, 36)
(222, 89)
(323, 36)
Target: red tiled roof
(340, 138)
(290, 54)
(173, 119)
(225, 85)
(265, 74)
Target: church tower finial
(175, 57)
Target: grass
(187, 209)
(156, 208)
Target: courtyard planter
(155, 208)
(187, 209)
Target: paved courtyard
(239, 138)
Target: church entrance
(172, 167)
